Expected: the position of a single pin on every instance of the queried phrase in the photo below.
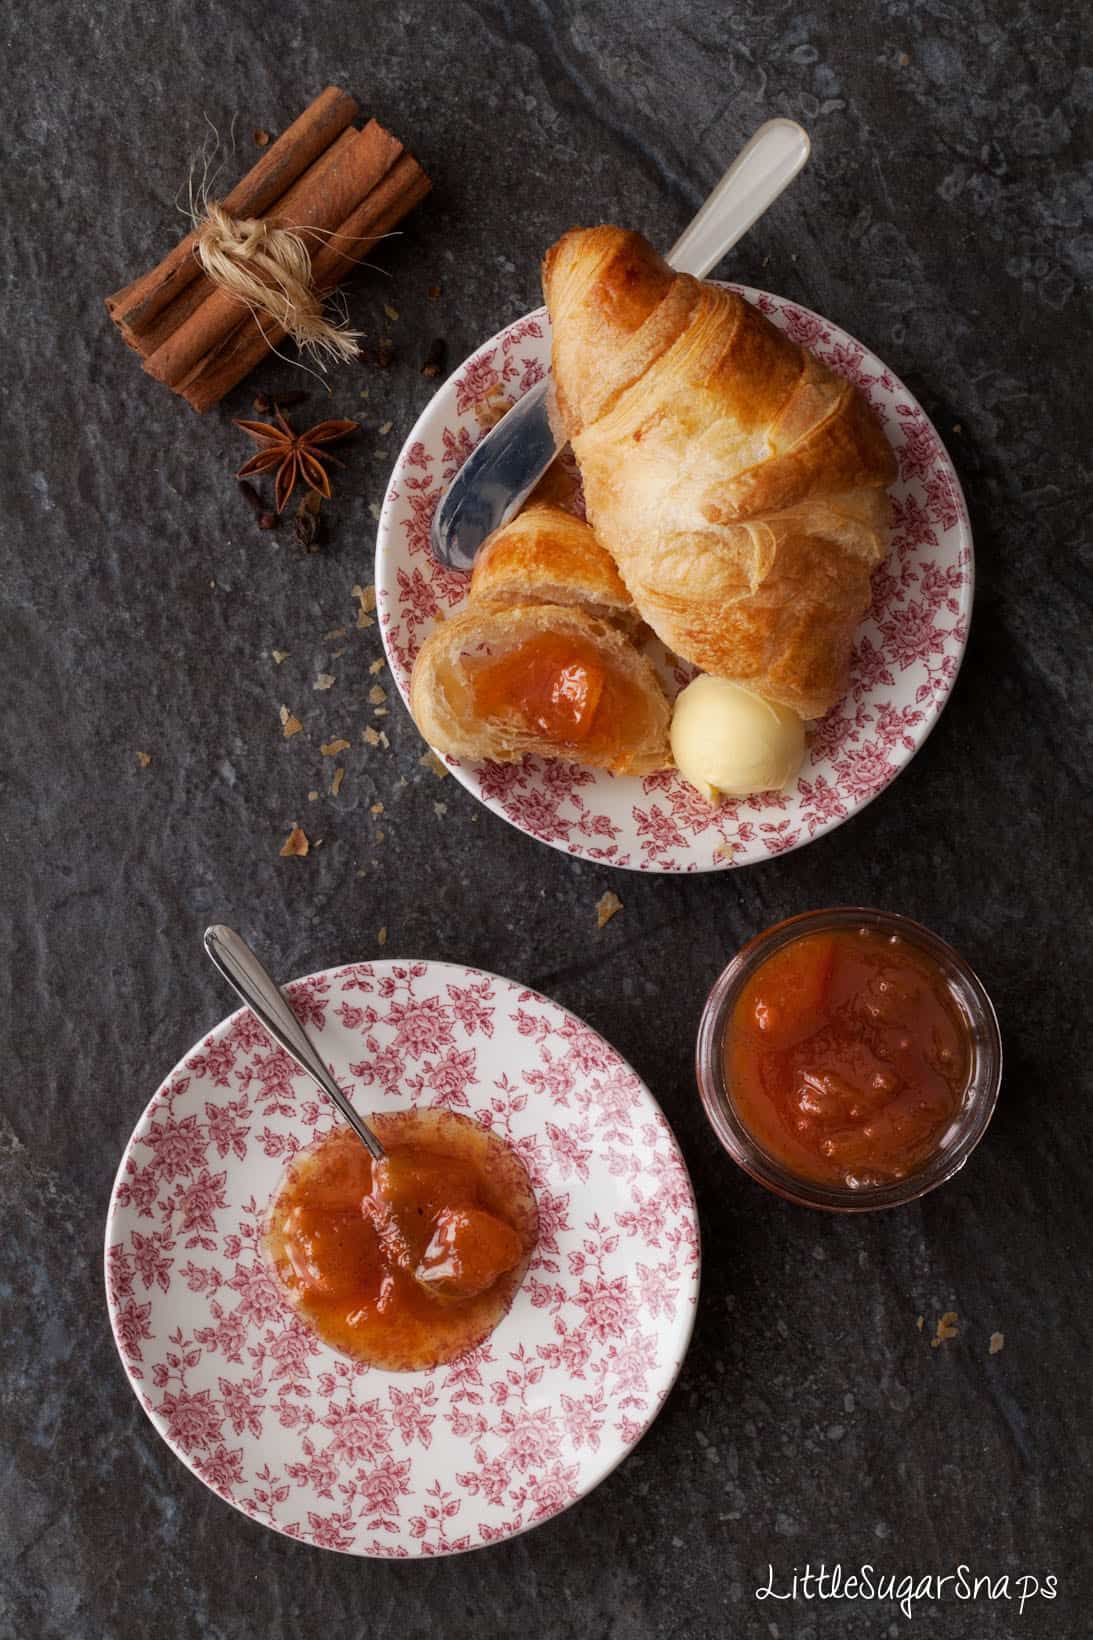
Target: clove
(432, 365)
(308, 526)
(265, 403)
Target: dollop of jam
(847, 1057)
(562, 687)
(412, 1260)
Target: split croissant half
(539, 659)
(552, 556)
(738, 484)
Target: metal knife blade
(495, 480)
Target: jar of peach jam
(849, 1059)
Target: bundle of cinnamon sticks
(348, 186)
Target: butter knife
(501, 472)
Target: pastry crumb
(607, 906)
(374, 509)
(440, 810)
(335, 633)
(997, 1342)
(431, 761)
(336, 783)
(490, 409)
(295, 844)
(391, 312)
(377, 666)
(946, 1328)
(379, 711)
(381, 937)
(144, 758)
(920, 1322)
(331, 748)
(366, 597)
(325, 680)
(377, 694)
(724, 851)
(279, 655)
(290, 723)
(261, 138)
(371, 735)
(313, 797)
(377, 808)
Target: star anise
(293, 454)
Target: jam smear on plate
(410, 1261)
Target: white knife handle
(766, 165)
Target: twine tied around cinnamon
(269, 269)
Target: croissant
(547, 555)
(739, 485)
(540, 658)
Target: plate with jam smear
(906, 657)
(849, 1059)
(429, 1353)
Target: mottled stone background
(945, 220)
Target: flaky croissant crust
(546, 555)
(739, 485)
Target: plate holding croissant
(762, 497)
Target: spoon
(503, 469)
(234, 958)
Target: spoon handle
(235, 960)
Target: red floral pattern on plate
(906, 656)
(397, 1464)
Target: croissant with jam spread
(539, 659)
(738, 484)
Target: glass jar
(960, 1138)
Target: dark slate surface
(945, 219)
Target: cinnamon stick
(135, 307)
(322, 200)
(381, 211)
(341, 188)
(164, 324)
(321, 203)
